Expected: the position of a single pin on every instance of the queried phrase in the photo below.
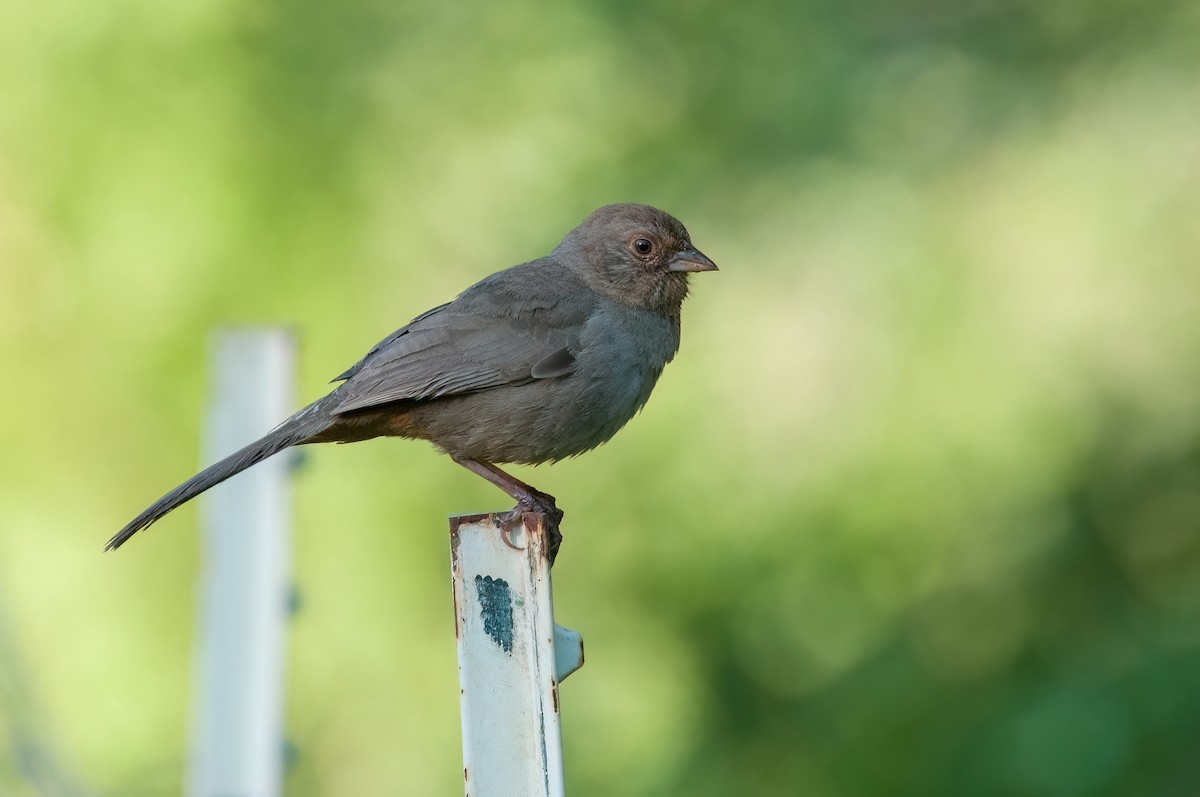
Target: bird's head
(635, 254)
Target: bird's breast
(618, 358)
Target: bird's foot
(542, 504)
(539, 503)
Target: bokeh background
(915, 511)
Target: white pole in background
(511, 656)
(237, 743)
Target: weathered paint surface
(511, 656)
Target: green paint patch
(495, 607)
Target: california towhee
(533, 364)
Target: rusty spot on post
(455, 568)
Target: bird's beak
(690, 260)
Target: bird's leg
(527, 497)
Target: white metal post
(511, 656)
(237, 713)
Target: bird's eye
(643, 246)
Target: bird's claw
(543, 504)
(539, 503)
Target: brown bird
(535, 363)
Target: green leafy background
(915, 511)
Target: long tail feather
(304, 424)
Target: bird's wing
(354, 369)
(512, 328)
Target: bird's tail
(309, 421)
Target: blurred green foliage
(916, 511)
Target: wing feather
(494, 334)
